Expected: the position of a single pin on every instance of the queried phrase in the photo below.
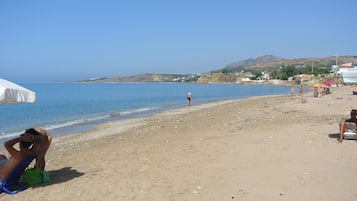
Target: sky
(70, 40)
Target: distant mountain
(271, 62)
(237, 66)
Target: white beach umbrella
(13, 93)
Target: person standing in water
(189, 96)
(292, 88)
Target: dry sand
(270, 148)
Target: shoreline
(60, 124)
(258, 148)
(107, 128)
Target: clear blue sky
(64, 40)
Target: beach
(260, 148)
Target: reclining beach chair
(12, 183)
(350, 134)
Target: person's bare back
(25, 149)
(43, 147)
(32, 142)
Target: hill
(271, 62)
(236, 66)
(227, 73)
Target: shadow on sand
(334, 135)
(60, 176)
(337, 136)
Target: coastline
(259, 148)
(106, 106)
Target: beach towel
(350, 134)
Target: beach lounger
(350, 134)
(12, 184)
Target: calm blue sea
(64, 108)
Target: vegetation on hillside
(285, 72)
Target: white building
(342, 68)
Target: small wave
(115, 114)
(58, 125)
(88, 120)
(5, 136)
(145, 109)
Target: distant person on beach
(323, 91)
(292, 89)
(301, 89)
(327, 91)
(344, 127)
(189, 96)
(316, 92)
(29, 144)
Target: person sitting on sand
(46, 140)
(343, 125)
(27, 147)
(328, 91)
(33, 141)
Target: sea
(66, 108)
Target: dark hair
(25, 144)
(32, 131)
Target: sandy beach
(267, 148)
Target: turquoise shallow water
(64, 108)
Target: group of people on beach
(321, 93)
(301, 88)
